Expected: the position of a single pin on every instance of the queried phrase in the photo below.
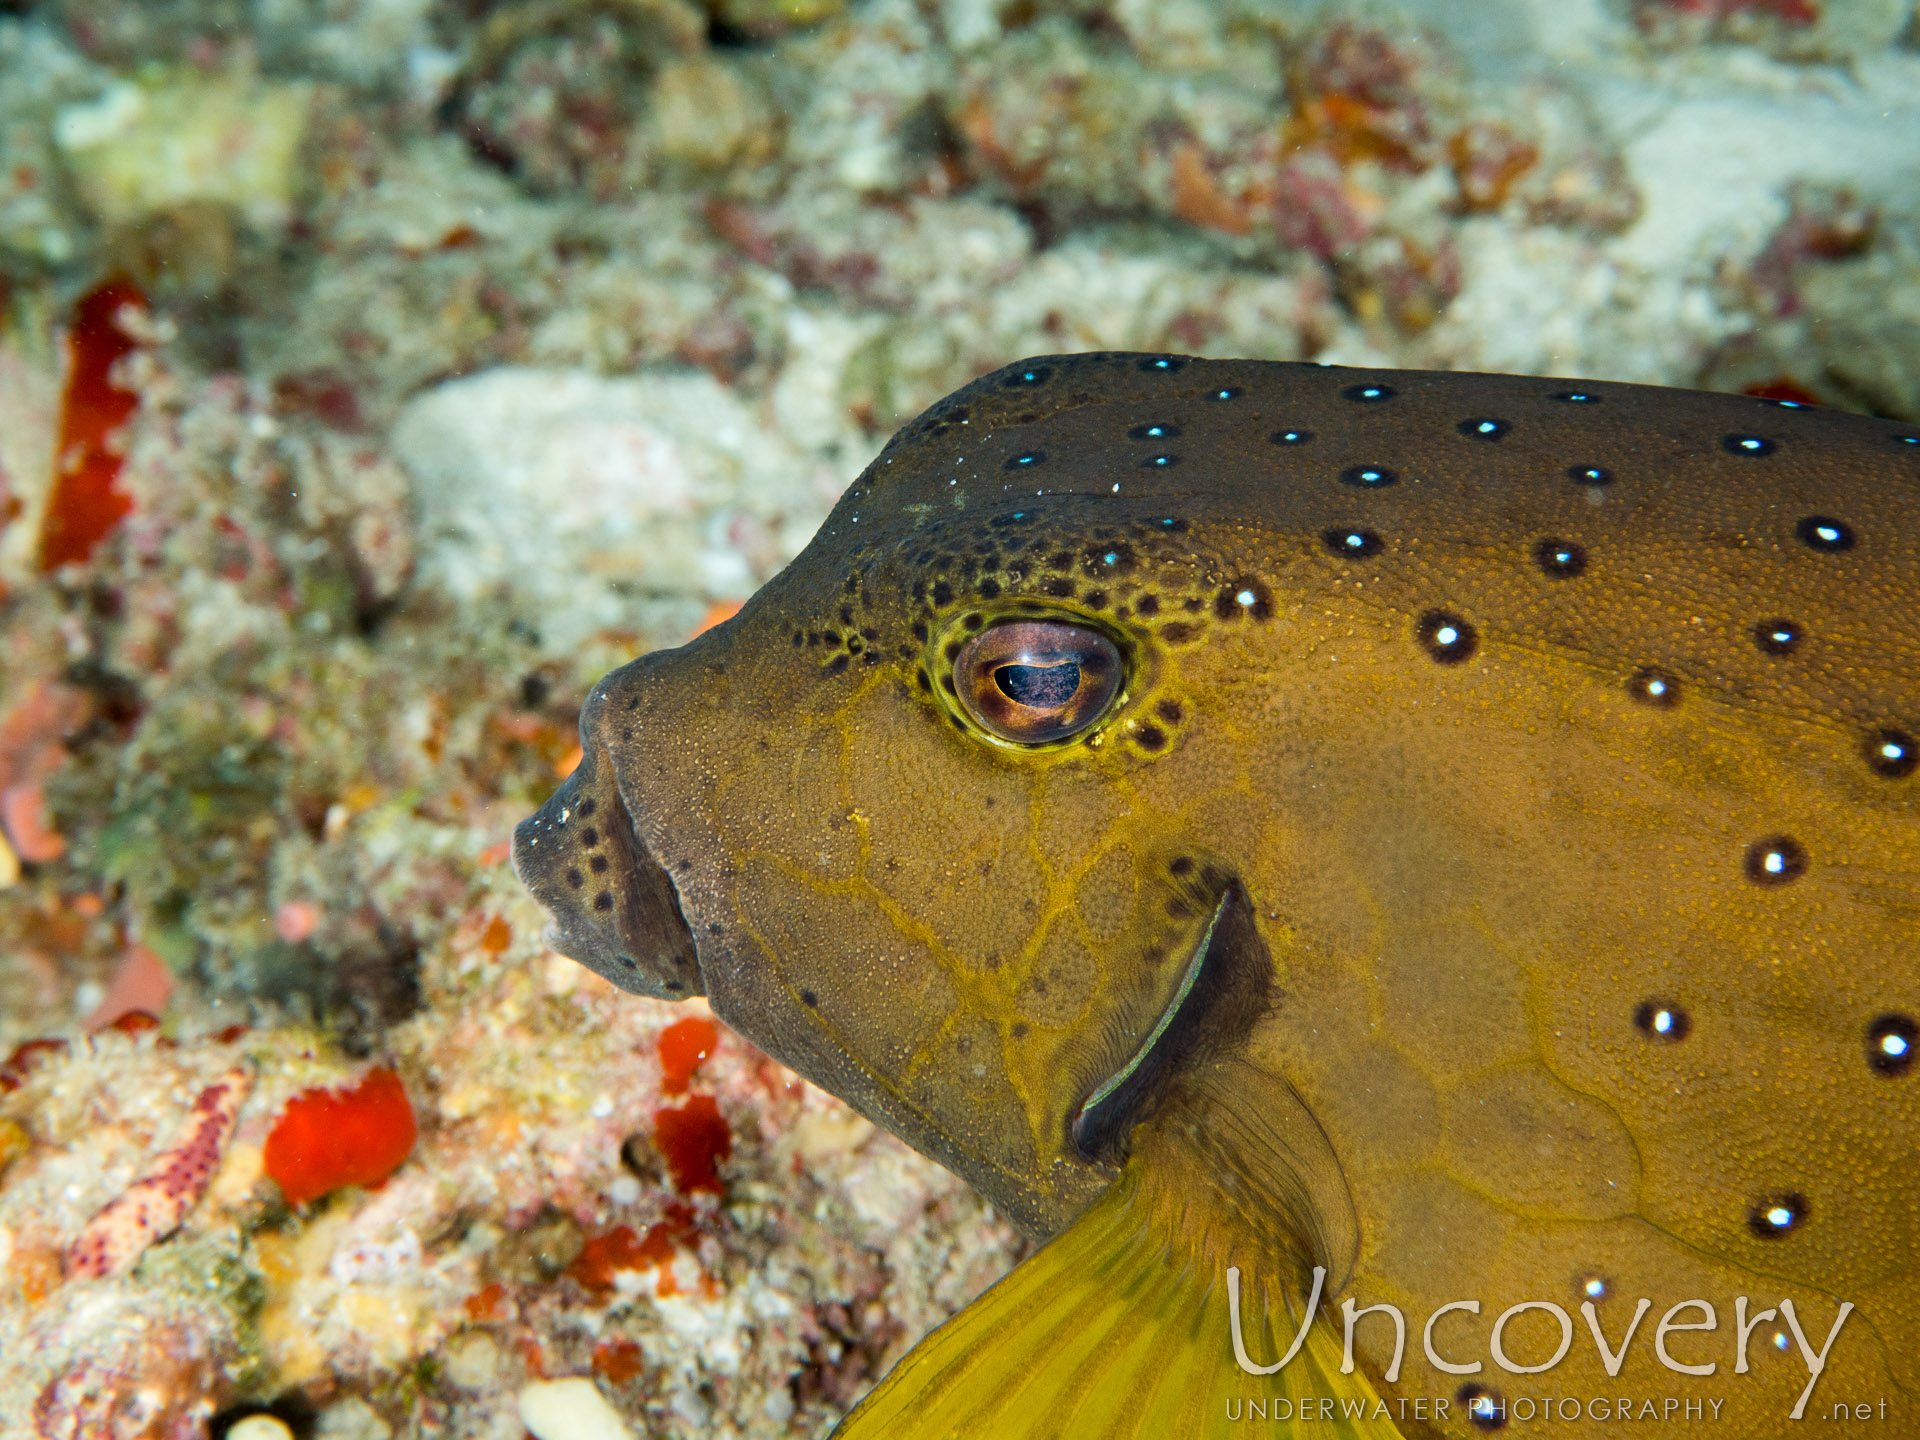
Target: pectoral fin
(1118, 1328)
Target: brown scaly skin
(1468, 855)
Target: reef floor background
(376, 374)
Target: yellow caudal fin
(1117, 1328)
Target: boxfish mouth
(614, 907)
(1223, 990)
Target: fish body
(1401, 838)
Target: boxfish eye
(1034, 681)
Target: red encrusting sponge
(87, 502)
(326, 1139)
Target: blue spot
(1367, 476)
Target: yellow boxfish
(1409, 883)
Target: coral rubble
(375, 374)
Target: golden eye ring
(1035, 682)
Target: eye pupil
(1036, 682)
(1039, 687)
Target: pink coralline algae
(155, 1204)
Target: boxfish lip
(614, 907)
(1222, 990)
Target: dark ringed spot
(598, 864)
(1169, 711)
(586, 807)
(809, 999)
(1778, 636)
(1824, 533)
(1662, 1020)
(603, 901)
(989, 589)
(1358, 543)
(1776, 860)
(838, 664)
(1245, 597)
(1181, 865)
(1483, 428)
(576, 879)
(1153, 432)
(590, 837)
(1148, 606)
(1367, 394)
(1892, 754)
(1367, 477)
(1291, 437)
(1485, 1409)
(1559, 559)
(1654, 687)
(1891, 1043)
(1590, 474)
(1747, 445)
(1151, 737)
(1773, 1217)
(1445, 636)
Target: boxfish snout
(614, 908)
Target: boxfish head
(912, 821)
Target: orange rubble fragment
(141, 985)
(683, 1046)
(1197, 197)
(568, 762)
(326, 1139)
(604, 1256)
(618, 1360)
(23, 812)
(718, 613)
(487, 1303)
(497, 936)
(86, 503)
